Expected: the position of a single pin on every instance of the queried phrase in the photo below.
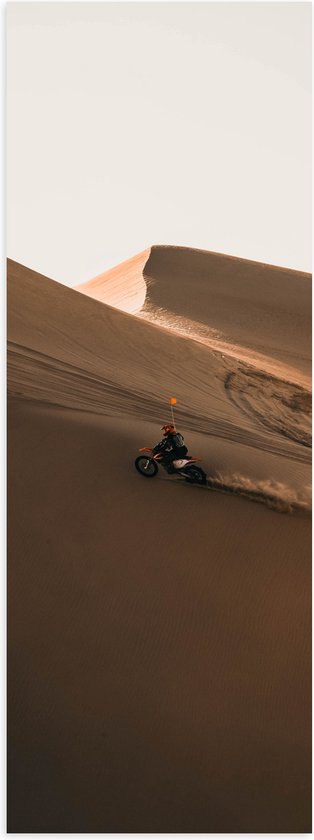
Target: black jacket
(172, 443)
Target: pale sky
(131, 124)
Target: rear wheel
(195, 475)
(146, 466)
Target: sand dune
(159, 636)
(257, 313)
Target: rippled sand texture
(159, 659)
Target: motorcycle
(147, 465)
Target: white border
(3, 832)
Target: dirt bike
(147, 465)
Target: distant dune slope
(122, 286)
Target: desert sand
(159, 635)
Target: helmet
(168, 429)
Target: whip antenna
(173, 402)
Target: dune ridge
(293, 424)
(256, 289)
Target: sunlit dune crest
(123, 286)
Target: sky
(181, 123)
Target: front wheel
(146, 466)
(195, 475)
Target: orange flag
(173, 401)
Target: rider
(172, 444)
